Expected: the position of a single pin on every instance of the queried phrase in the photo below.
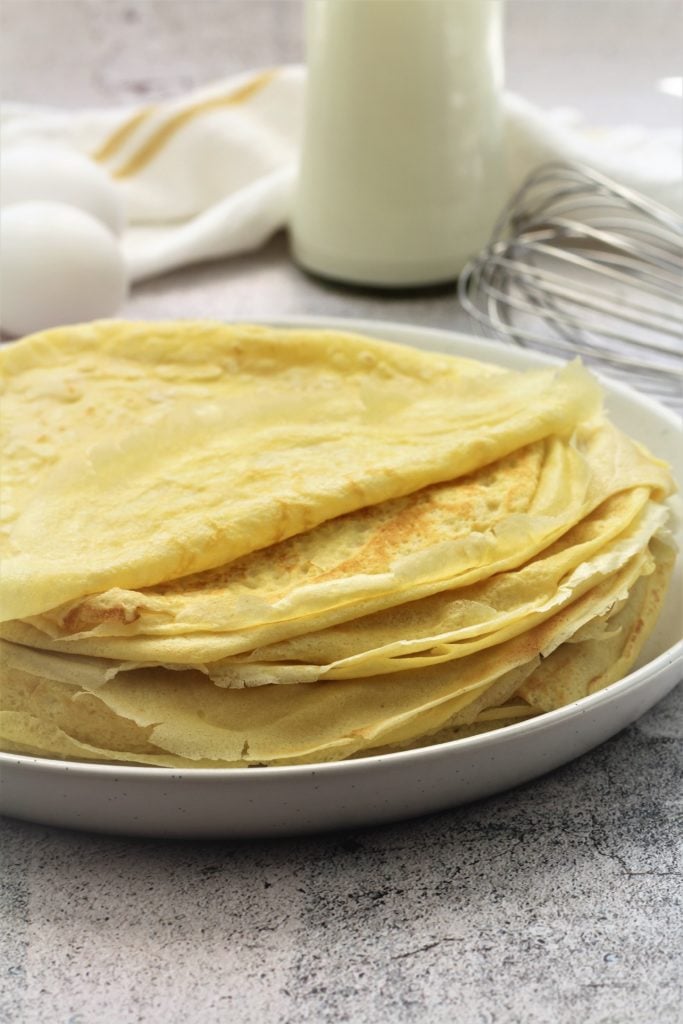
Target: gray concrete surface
(558, 902)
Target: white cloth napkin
(211, 173)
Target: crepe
(156, 715)
(446, 536)
(596, 658)
(597, 655)
(137, 454)
(196, 514)
(453, 623)
(457, 622)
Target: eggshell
(60, 175)
(58, 265)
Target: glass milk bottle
(401, 168)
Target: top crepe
(444, 537)
(136, 454)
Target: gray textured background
(558, 902)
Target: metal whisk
(579, 265)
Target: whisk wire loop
(581, 265)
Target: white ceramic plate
(277, 801)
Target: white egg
(58, 265)
(60, 175)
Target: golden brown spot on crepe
(85, 616)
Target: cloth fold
(212, 174)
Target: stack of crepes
(227, 546)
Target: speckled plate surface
(242, 803)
